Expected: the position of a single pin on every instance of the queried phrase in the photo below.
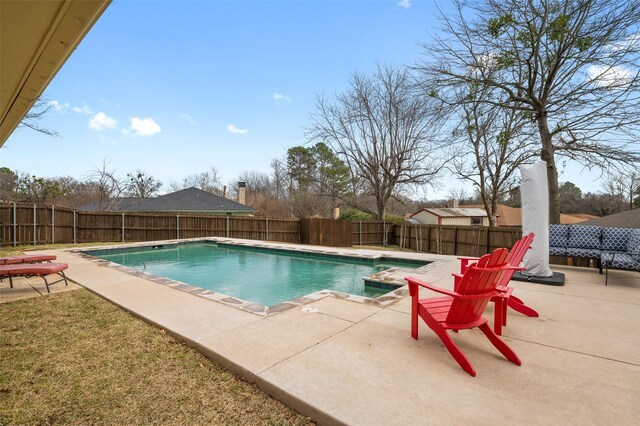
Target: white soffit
(36, 38)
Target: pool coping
(383, 277)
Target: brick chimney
(456, 203)
(242, 192)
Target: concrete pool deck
(356, 363)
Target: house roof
(190, 199)
(626, 219)
(454, 212)
(512, 216)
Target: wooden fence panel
(325, 232)
(372, 233)
(202, 226)
(141, 227)
(99, 227)
(63, 230)
(454, 240)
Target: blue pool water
(263, 276)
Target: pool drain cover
(310, 309)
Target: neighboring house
(451, 216)
(627, 219)
(190, 200)
(512, 216)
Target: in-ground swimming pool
(262, 276)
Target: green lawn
(73, 358)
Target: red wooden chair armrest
(464, 262)
(505, 291)
(449, 292)
(411, 280)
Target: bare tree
(571, 65)
(107, 188)
(279, 178)
(382, 131)
(492, 143)
(207, 181)
(141, 185)
(40, 108)
(623, 187)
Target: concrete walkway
(356, 364)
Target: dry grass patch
(73, 358)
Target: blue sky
(174, 88)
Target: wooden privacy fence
(372, 233)
(325, 232)
(455, 240)
(23, 224)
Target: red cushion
(27, 258)
(33, 268)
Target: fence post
(455, 240)
(227, 233)
(360, 231)
(384, 233)
(74, 227)
(34, 225)
(123, 227)
(488, 246)
(53, 224)
(428, 238)
(177, 227)
(267, 226)
(15, 226)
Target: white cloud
(233, 129)
(405, 3)
(144, 126)
(189, 119)
(102, 121)
(56, 105)
(609, 76)
(82, 110)
(280, 97)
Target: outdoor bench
(613, 248)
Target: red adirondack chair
(504, 298)
(462, 309)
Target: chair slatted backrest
(479, 279)
(515, 257)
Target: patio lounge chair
(462, 309)
(41, 270)
(504, 298)
(27, 258)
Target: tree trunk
(547, 154)
(493, 218)
(380, 207)
(490, 207)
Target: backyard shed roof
(455, 212)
